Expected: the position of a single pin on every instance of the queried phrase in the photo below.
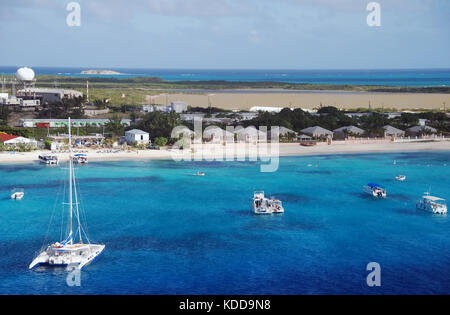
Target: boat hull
(63, 258)
(428, 208)
(374, 193)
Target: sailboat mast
(70, 179)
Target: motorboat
(80, 159)
(375, 190)
(49, 159)
(263, 205)
(400, 178)
(432, 204)
(276, 206)
(76, 251)
(17, 195)
(200, 174)
(260, 203)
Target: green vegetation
(47, 144)
(160, 141)
(158, 83)
(4, 115)
(20, 147)
(21, 132)
(115, 127)
(66, 108)
(160, 124)
(133, 91)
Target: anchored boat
(17, 194)
(375, 190)
(80, 159)
(69, 252)
(49, 159)
(263, 205)
(432, 204)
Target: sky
(226, 34)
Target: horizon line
(229, 69)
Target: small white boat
(199, 174)
(263, 205)
(18, 195)
(276, 206)
(432, 204)
(375, 190)
(400, 178)
(80, 159)
(49, 159)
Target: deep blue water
(415, 77)
(168, 232)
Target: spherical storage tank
(25, 74)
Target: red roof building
(5, 137)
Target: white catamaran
(68, 252)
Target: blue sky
(226, 34)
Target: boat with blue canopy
(375, 190)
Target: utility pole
(87, 91)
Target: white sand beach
(210, 151)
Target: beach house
(286, 133)
(390, 131)
(343, 132)
(318, 132)
(7, 139)
(421, 130)
(137, 136)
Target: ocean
(408, 78)
(168, 232)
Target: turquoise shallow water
(386, 77)
(169, 232)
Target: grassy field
(138, 90)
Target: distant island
(101, 72)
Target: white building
(14, 140)
(137, 136)
(48, 95)
(179, 107)
(156, 108)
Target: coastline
(209, 151)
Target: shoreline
(209, 152)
